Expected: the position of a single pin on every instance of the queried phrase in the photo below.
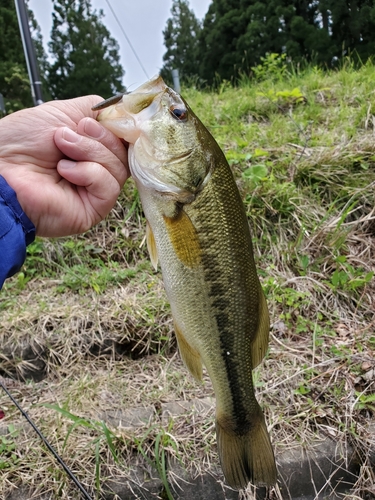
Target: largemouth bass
(198, 231)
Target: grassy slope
(302, 146)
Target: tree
(86, 56)
(224, 22)
(352, 26)
(181, 41)
(14, 80)
(236, 33)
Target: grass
(89, 312)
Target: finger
(100, 188)
(92, 128)
(85, 149)
(75, 109)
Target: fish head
(166, 150)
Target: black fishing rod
(51, 449)
(29, 50)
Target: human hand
(66, 169)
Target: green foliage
(163, 441)
(271, 66)
(14, 82)
(181, 41)
(103, 435)
(78, 263)
(307, 178)
(86, 59)
(352, 26)
(347, 277)
(365, 402)
(285, 98)
(80, 277)
(8, 456)
(237, 35)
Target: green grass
(301, 144)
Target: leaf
(260, 171)
(335, 279)
(260, 152)
(108, 434)
(341, 259)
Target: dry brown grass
(91, 330)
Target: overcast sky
(143, 22)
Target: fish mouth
(152, 87)
(156, 84)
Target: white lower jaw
(148, 178)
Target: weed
(8, 455)
(272, 66)
(163, 441)
(348, 278)
(365, 402)
(99, 428)
(285, 98)
(92, 306)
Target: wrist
(9, 197)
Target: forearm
(16, 232)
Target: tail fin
(246, 457)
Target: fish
(197, 230)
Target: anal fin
(189, 355)
(259, 345)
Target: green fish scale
(229, 269)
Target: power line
(127, 38)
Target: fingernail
(70, 136)
(67, 164)
(93, 129)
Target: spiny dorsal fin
(184, 238)
(151, 245)
(189, 355)
(260, 343)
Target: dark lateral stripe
(212, 270)
(224, 238)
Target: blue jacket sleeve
(16, 232)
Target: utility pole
(176, 80)
(29, 50)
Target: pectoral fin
(189, 355)
(260, 342)
(151, 245)
(184, 238)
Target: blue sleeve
(16, 232)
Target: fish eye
(178, 113)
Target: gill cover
(146, 118)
